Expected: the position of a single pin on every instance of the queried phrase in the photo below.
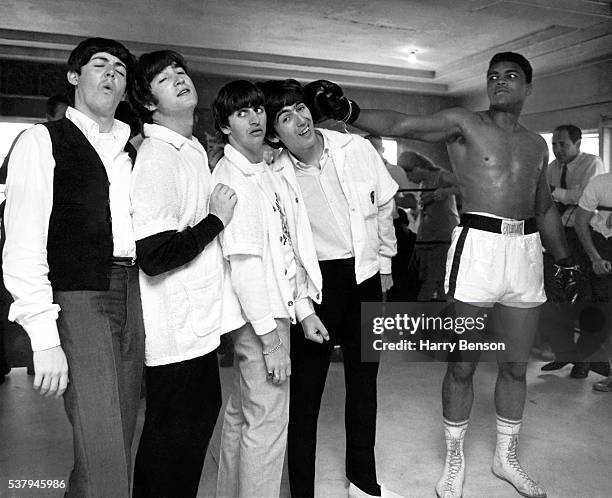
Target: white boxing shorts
(495, 260)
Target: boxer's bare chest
(497, 167)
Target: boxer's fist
(326, 100)
(568, 278)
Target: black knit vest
(80, 237)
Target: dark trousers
(402, 283)
(596, 337)
(183, 402)
(102, 335)
(340, 312)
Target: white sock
(507, 427)
(455, 430)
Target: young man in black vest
(69, 263)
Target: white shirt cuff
(384, 265)
(264, 325)
(43, 334)
(303, 308)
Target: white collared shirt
(256, 231)
(579, 171)
(29, 191)
(368, 189)
(184, 309)
(598, 193)
(327, 206)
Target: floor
(566, 441)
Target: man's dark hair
(518, 59)
(279, 94)
(236, 95)
(83, 52)
(573, 131)
(54, 101)
(150, 65)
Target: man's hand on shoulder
(51, 370)
(325, 99)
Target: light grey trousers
(254, 437)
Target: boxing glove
(325, 100)
(568, 278)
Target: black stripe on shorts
(452, 280)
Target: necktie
(563, 181)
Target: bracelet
(274, 349)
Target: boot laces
(512, 460)
(454, 463)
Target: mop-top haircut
(83, 52)
(236, 95)
(280, 94)
(150, 65)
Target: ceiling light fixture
(412, 57)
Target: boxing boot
(450, 484)
(505, 461)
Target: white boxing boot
(450, 484)
(505, 462)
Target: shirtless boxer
(495, 259)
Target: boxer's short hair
(518, 59)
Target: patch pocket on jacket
(205, 297)
(368, 200)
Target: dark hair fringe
(150, 65)
(233, 96)
(280, 94)
(83, 52)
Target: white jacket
(369, 190)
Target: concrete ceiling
(360, 43)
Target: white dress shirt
(368, 190)
(29, 192)
(598, 193)
(579, 171)
(328, 207)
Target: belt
(497, 225)
(124, 261)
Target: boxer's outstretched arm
(548, 220)
(433, 128)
